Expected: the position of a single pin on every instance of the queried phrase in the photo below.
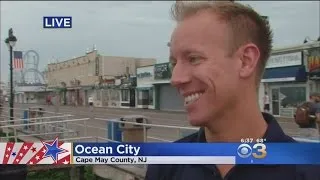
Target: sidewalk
(285, 119)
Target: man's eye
(194, 60)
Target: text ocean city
(122, 149)
(93, 153)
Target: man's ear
(249, 56)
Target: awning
(283, 74)
(167, 81)
(73, 88)
(144, 87)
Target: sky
(132, 28)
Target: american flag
(17, 60)
(53, 152)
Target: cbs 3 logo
(245, 150)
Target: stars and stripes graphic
(53, 152)
(17, 60)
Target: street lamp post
(11, 42)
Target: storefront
(166, 96)
(127, 95)
(314, 69)
(285, 80)
(73, 93)
(145, 90)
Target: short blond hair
(246, 25)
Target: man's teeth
(191, 98)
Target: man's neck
(244, 121)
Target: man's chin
(198, 122)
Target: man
(310, 130)
(90, 100)
(266, 102)
(218, 53)
(317, 111)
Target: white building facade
(287, 80)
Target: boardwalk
(155, 116)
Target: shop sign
(75, 82)
(117, 82)
(145, 75)
(314, 67)
(285, 60)
(313, 64)
(162, 71)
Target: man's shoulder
(308, 172)
(190, 138)
(288, 139)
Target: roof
(296, 47)
(29, 89)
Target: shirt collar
(274, 133)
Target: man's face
(202, 70)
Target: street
(97, 128)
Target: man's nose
(180, 75)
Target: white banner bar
(154, 160)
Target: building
(109, 80)
(145, 90)
(290, 75)
(154, 90)
(166, 96)
(120, 72)
(30, 93)
(313, 66)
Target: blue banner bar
(269, 153)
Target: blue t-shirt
(315, 108)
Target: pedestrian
(90, 100)
(49, 100)
(317, 110)
(218, 52)
(306, 119)
(266, 103)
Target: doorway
(285, 99)
(275, 101)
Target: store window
(318, 87)
(311, 89)
(114, 94)
(125, 95)
(151, 96)
(291, 97)
(145, 97)
(98, 94)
